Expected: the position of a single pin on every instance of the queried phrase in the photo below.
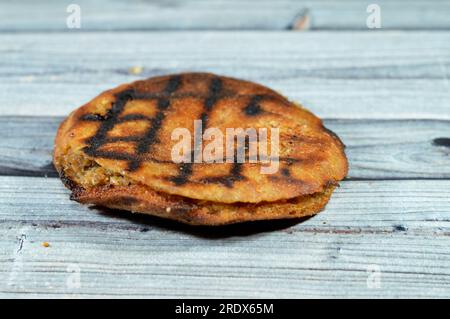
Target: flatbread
(116, 151)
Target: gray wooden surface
(385, 93)
(400, 227)
(50, 15)
(335, 74)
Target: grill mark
(236, 171)
(133, 138)
(183, 176)
(285, 172)
(226, 180)
(112, 117)
(253, 108)
(110, 120)
(93, 117)
(214, 91)
(133, 117)
(235, 174)
(150, 138)
(292, 180)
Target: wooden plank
(51, 15)
(336, 75)
(400, 228)
(376, 149)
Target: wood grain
(387, 75)
(379, 149)
(386, 94)
(399, 227)
(51, 15)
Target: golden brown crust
(127, 131)
(141, 199)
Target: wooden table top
(386, 93)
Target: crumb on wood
(302, 21)
(135, 70)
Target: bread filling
(88, 174)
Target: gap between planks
(401, 228)
(377, 149)
(419, 207)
